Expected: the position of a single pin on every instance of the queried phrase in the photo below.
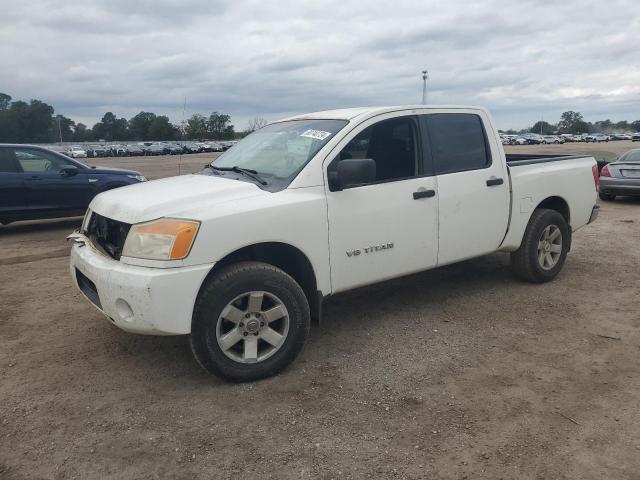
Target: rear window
(458, 142)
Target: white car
(552, 139)
(241, 256)
(520, 141)
(76, 152)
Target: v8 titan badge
(371, 249)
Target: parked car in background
(174, 149)
(119, 151)
(76, 152)
(242, 255)
(621, 177)
(95, 151)
(38, 183)
(156, 149)
(546, 139)
(596, 138)
(191, 147)
(532, 138)
(134, 151)
(520, 141)
(635, 137)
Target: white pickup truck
(241, 255)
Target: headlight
(140, 178)
(85, 221)
(164, 239)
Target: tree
(110, 128)
(196, 128)
(5, 101)
(219, 126)
(635, 126)
(573, 122)
(62, 127)
(162, 129)
(81, 133)
(256, 124)
(140, 124)
(543, 128)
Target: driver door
(47, 190)
(389, 227)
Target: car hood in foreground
(174, 196)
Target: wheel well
(285, 257)
(558, 204)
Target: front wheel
(250, 321)
(544, 247)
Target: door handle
(424, 194)
(492, 182)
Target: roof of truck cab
(351, 113)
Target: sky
(524, 60)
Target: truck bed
(518, 159)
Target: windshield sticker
(317, 134)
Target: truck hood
(171, 197)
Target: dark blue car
(38, 183)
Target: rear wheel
(544, 247)
(606, 196)
(250, 321)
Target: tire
(228, 290)
(606, 196)
(532, 264)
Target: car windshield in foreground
(632, 156)
(279, 151)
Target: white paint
(464, 219)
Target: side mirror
(352, 173)
(69, 171)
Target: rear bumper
(151, 301)
(620, 186)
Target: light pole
(425, 75)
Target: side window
(38, 162)
(7, 161)
(392, 144)
(458, 142)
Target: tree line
(36, 122)
(574, 123)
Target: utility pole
(59, 129)
(425, 75)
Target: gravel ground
(460, 372)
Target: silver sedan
(621, 177)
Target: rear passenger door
(12, 194)
(473, 188)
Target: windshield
(631, 156)
(280, 150)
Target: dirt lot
(461, 372)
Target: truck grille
(107, 235)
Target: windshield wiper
(245, 171)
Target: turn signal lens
(164, 239)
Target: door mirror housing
(352, 173)
(69, 171)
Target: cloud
(523, 60)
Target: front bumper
(620, 186)
(151, 301)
